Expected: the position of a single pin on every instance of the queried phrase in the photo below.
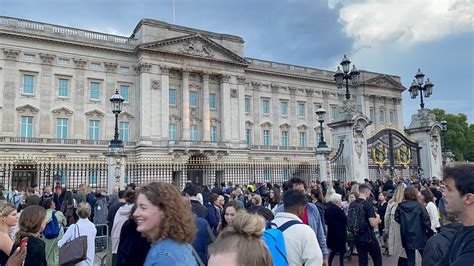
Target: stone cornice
(80, 63)
(95, 112)
(27, 107)
(165, 70)
(63, 110)
(47, 59)
(126, 115)
(111, 67)
(143, 67)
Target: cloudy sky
(388, 36)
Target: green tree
(460, 135)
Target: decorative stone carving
(47, 58)
(11, 54)
(225, 78)
(248, 124)
(143, 68)
(165, 70)
(195, 86)
(174, 119)
(284, 126)
(292, 89)
(215, 122)
(194, 47)
(434, 139)
(256, 85)
(62, 110)
(309, 92)
(275, 88)
(358, 134)
(241, 80)
(424, 118)
(111, 67)
(234, 93)
(325, 94)
(95, 112)
(80, 63)
(125, 115)
(155, 84)
(27, 108)
(302, 127)
(266, 125)
(205, 77)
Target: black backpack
(356, 222)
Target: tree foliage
(459, 136)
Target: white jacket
(434, 216)
(86, 228)
(302, 247)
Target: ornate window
(284, 138)
(392, 116)
(193, 99)
(124, 91)
(247, 104)
(266, 137)
(302, 139)
(301, 109)
(26, 129)
(94, 129)
(266, 106)
(333, 112)
(194, 133)
(248, 136)
(212, 101)
(382, 116)
(28, 84)
(214, 133)
(172, 97)
(95, 90)
(284, 108)
(63, 87)
(124, 131)
(172, 131)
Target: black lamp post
(117, 101)
(444, 127)
(418, 87)
(320, 113)
(340, 76)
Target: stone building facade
(187, 91)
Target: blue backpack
(275, 241)
(51, 231)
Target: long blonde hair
(398, 195)
(5, 210)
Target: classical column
(185, 110)
(225, 109)
(165, 107)
(145, 101)
(293, 135)
(206, 112)
(241, 91)
(256, 114)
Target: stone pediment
(195, 45)
(27, 108)
(126, 115)
(62, 110)
(384, 81)
(95, 112)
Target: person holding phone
(8, 219)
(30, 225)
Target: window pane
(63, 87)
(247, 136)
(95, 90)
(266, 137)
(301, 110)
(124, 92)
(26, 129)
(94, 127)
(193, 99)
(371, 114)
(266, 106)
(62, 128)
(212, 101)
(302, 139)
(172, 98)
(214, 133)
(172, 132)
(124, 131)
(194, 133)
(247, 105)
(284, 138)
(284, 109)
(28, 84)
(382, 116)
(392, 116)
(333, 112)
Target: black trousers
(366, 248)
(411, 256)
(333, 254)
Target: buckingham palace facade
(186, 91)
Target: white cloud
(403, 22)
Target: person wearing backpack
(53, 231)
(299, 244)
(361, 220)
(101, 212)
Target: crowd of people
(292, 223)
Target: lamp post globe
(320, 112)
(345, 75)
(417, 87)
(117, 103)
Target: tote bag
(73, 251)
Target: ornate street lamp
(340, 76)
(444, 127)
(417, 87)
(320, 113)
(117, 101)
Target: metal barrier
(102, 243)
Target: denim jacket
(314, 221)
(170, 253)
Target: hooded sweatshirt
(414, 222)
(120, 218)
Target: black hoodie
(414, 222)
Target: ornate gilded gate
(392, 153)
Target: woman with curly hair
(166, 221)
(241, 243)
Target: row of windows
(194, 133)
(193, 99)
(67, 61)
(382, 115)
(64, 88)
(62, 128)
(301, 108)
(284, 138)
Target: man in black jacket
(191, 191)
(459, 201)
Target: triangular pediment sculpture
(197, 46)
(95, 112)
(384, 81)
(126, 115)
(63, 110)
(27, 108)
